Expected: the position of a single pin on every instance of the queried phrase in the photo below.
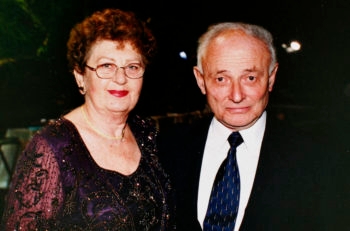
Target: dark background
(312, 89)
(35, 84)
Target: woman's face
(119, 93)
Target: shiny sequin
(57, 186)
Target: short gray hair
(250, 29)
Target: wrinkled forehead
(238, 40)
(108, 47)
(237, 48)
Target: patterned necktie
(224, 199)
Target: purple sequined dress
(58, 186)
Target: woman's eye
(133, 67)
(107, 66)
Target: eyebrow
(248, 70)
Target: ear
(79, 78)
(199, 79)
(272, 77)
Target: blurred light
(183, 55)
(5, 61)
(294, 46)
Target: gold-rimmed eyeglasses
(108, 70)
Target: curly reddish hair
(110, 24)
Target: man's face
(236, 79)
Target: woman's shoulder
(142, 124)
(58, 131)
(57, 127)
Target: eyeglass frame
(117, 67)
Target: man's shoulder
(183, 135)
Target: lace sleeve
(35, 193)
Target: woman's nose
(119, 76)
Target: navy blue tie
(224, 200)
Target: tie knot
(235, 139)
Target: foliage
(34, 82)
(21, 31)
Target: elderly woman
(96, 168)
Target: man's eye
(251, 78)
(220, 79)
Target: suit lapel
(199, 134)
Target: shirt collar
(252, 136)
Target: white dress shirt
(215, 152)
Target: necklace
(99, 132)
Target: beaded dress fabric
(58, 186)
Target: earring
(82, 90)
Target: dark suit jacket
(293, 187)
